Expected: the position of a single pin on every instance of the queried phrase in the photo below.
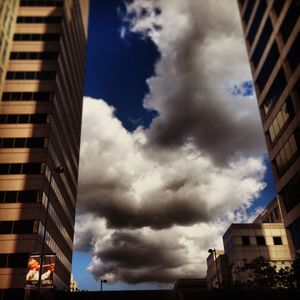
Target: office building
(40, 124)
(243, 243)
(271, 30)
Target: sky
(172, 148)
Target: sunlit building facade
(271, 30)
(40, 124)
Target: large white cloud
(151, 202)
(134, 200)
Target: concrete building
(40, 124)
(243, 243)
(271, 30)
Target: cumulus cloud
(151, 202)
(135, 200)
(202, 52)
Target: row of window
(52, 37)
(268, 66)
(18, 227)
(25, 119)
(272, 216)
(34, 55)
(286, 154)
(260, 240)
(27, 96)
(42, 75)
(291, 193)
(286, 113)
(38, 142)
(275, 91)
(257, 20)
(57, 3)
(29, 196)
(59, 196)
(14, 260)
(25, 168)
(45, 20)
(54, 247)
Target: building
(8, 14)
(271, 30)
(244, 243)
(40, 124)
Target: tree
(262, 273)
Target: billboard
(34, 269)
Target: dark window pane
(277, 240)
(31, 168)
(11, 197)
(245, 240)
(4, 168)
(23, 226)
(20, 143)
(17, 260)
(260, 240)
(6, 227)
(28, 196)
(15, 168)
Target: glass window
(260, 240)
(245, 240)
(277, 240)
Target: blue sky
(117, 71)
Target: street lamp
(102, 281)
(58, 170)
(213, 251)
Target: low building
(245, 242)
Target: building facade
(243, 243)
(271, 30)
(40, 125)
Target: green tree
(262, 273)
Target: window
(278, 4)
(27, 96)
(34, 55)
(291, 193)
(41, 3)
(43, 75)
(257, 20)
(293, 55)
(23, 142)
(275, 91)
(36, 37)
(268, 67)
(295, 229)
(245, 240)
(46, 20)
(260, 240)
(17, 227)
(24, 119)
(248, 11)
(262, 42)
(27, 196)
(285, 114)
(290, 20)
(277, 240)
(286, 154)
(26, 168)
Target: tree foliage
(262, 273)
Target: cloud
(202, 52)
(151, 202)
(135, 200)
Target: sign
(34, 268)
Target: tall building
(40, 124)
(271, 30)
